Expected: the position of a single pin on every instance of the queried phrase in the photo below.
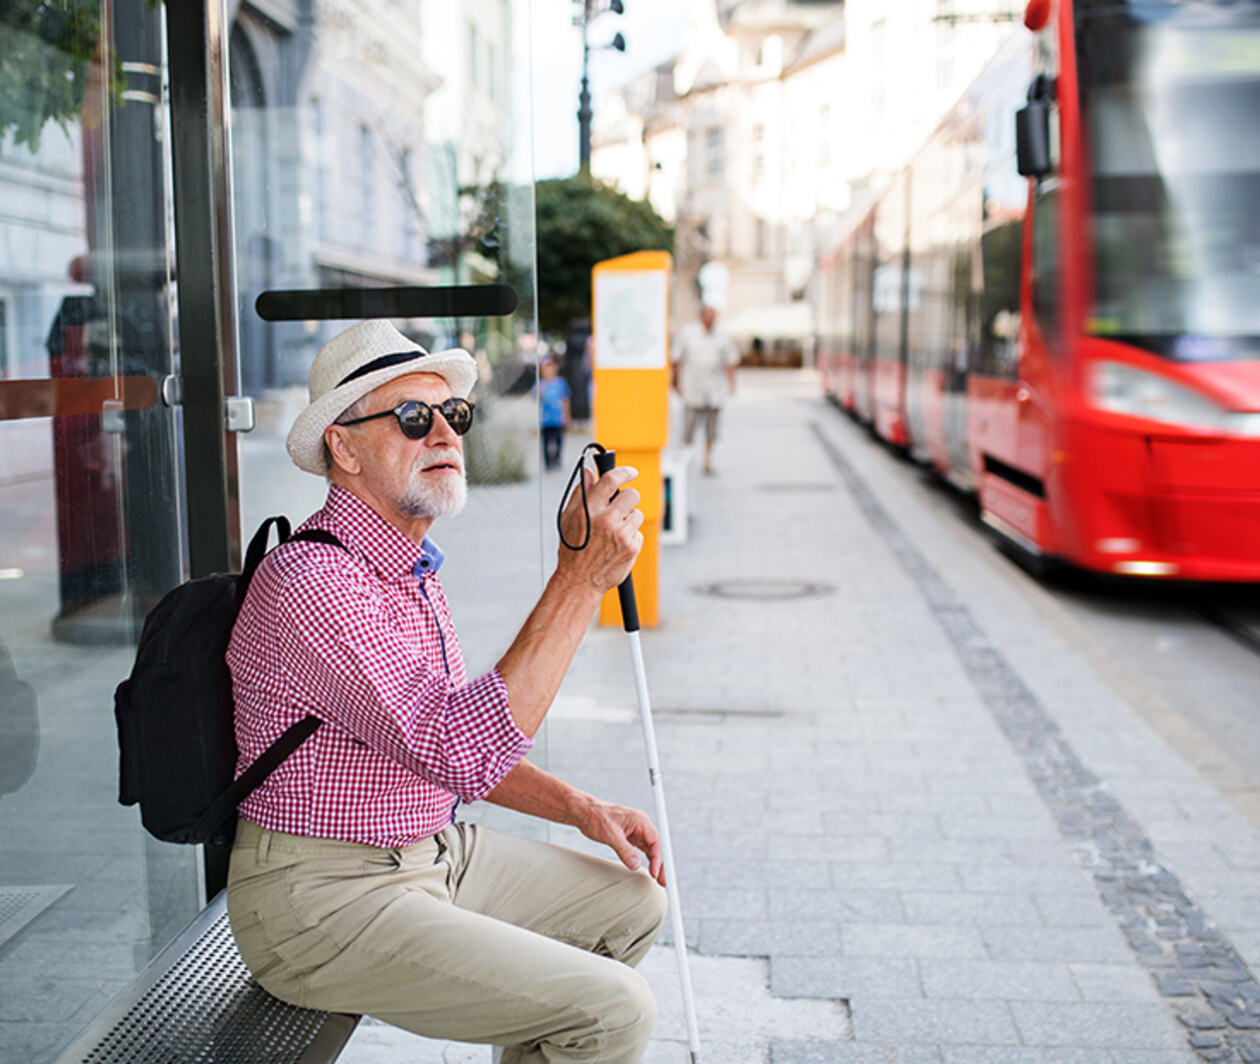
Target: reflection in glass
(389, 152)
(90, 519)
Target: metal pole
(584, 98)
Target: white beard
(440, 496)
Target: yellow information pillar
(630, 325)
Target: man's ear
(340, 443)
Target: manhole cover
(764, 589)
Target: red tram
(1056, 303)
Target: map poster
(630, 319)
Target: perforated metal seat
(196, 1002)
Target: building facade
(771, 124)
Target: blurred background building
(773, 120)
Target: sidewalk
(912, 823)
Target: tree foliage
(582, 222)
(47, 48)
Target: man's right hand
(534, 665)
(615, 536)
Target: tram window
(999, 330)
(1046, 269)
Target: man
(703, 361)
(351, 887)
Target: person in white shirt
(703, 360)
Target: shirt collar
(431, 558)
(384, 547)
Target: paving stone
(750, 903)
(734, 873)
(957, 907)
(1101, 945)
(1022, 1055)
(851, 1053)
(947, 851)
(827, 847)
(1113, 982)
(864, 906)
(764, 938)
(903, 940)
(1010, 875)
(910, 1021)
(842, 977)
(1082, 908)
(894, 875)
(998, 980)
(1107, 1025)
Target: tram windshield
(1170, 93)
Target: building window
(759, 152)
(410, 208)
(474, 75)
(320, 177)
(713, 161)
(367, 174)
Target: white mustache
(441, 456)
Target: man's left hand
(627, 831)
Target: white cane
(604, 461)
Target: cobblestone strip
(1209, 988)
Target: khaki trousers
(471, 935)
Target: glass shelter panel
(90, 519)
(393, 154)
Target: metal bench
(196, 1002)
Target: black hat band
(382, 363)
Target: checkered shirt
(364, 640)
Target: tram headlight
(1125, 389)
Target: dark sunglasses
(416, 418)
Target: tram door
(91, 497)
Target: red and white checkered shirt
(363, 639)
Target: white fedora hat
(354, 363)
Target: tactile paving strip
(20, 905)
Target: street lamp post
(618, 43)
(584, 97)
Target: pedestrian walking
(553, 411)
(352, 886)
(703, 360)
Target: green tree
(582, 222)
(47, 50)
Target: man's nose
(440, 432)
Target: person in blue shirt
(553, 402)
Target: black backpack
(176, 739)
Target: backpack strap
(265, 764)
(315, 535)
(295, 734)
(256, 551)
